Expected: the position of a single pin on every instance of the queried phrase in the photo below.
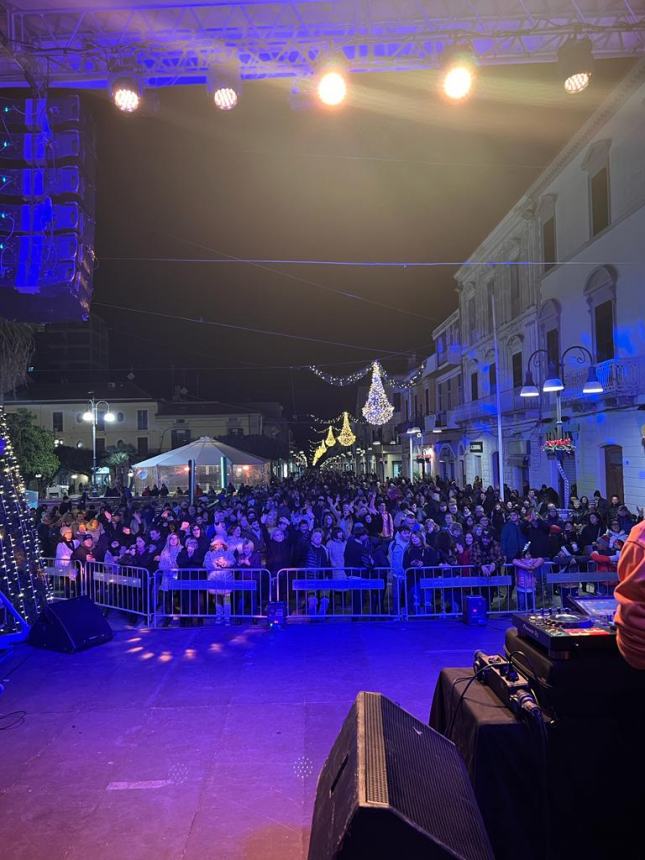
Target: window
(142, 446)
(553, 347)
(474, 386)
(549, 250)
(142, 419)
(492, 378)
(57, 422)
(516, 362)
(516, 305)
(599, 192)
(100, 447)
(472, 320)
(604, 325)
(442, 401)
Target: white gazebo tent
(215, 464)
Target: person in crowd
(219, 561)
(526, 578)
(336, 552)
(512, 539)
(317, 560)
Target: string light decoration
(378, 409)
(342, 381)
(325, 422)
(22, 577)
(346, 438)
(330, 441)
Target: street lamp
(91, 415)
(554, 381)
(412, 432)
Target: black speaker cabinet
(70, 625)
(393, 787)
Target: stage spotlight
(225, 98)
(575, 62)
(224, 84)
(330, 80)
(126, 94)
(458, 73)
(332, 88)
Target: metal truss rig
(170, 43)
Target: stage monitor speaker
(393, 787)
(70, 625)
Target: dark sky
(397, 175)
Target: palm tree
(119, 458)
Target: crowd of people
(342, 524)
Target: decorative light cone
(330, 441)
(319, 452)
(346, 437)
(378, 409)
(593, 384)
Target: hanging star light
(346, 437)
(330, 441)
(377, 409)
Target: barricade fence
(348, 592)
(111, 586)
(223, 595)
(432, 592)
(119, 586)
(245, 593)
(64, 577)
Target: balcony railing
(619, 377)
(448, 357)
(486, 407)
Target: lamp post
(412, 432)
(91, 415)
(555, 377)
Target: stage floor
(198, 742)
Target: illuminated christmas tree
(377, 409)
(21, 564)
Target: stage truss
(78, 44)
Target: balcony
(448, 357)
(486, 407)
(620, 378)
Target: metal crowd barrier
(560, 583)
(64, 577)
(439, 591)
(118, 586)
(232, 593)
(328, 592)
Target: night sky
(396, 175)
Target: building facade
(563, 274)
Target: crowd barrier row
(245, 593)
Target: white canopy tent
(216, 465)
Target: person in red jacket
(630, 594)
